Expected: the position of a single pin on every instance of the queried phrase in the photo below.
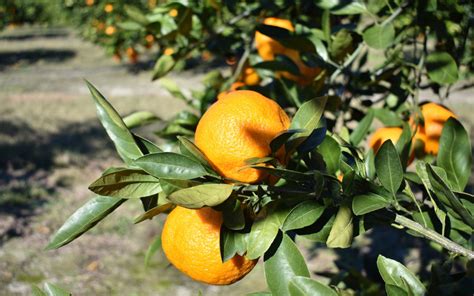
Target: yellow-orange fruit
(240, 126)
(108, 8)
(191, 242)
(268, 48)
(110, 30)
(384, 134)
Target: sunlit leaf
(201, 195)
(170, 165)
(441, 68)
(395, 274)
(304, 286)
(341, 233)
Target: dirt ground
(52, 146)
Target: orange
(191, 242)
(132, 55)
(108, 8)
(173, 12)
(268, 48)
(90, 2)
(249, 76)
(384, 134)
(434, 116)
(239, 126)
(110, 30)
(168, 51)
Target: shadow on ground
(32, 56)
(37, 35)
(28, 158)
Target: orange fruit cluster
(428, 133)
(268, 48)
(191, 242)
(240, 126)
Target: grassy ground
(52, 146)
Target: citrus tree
(281, 144)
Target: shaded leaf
(308, 115)
(331, 152)
(379, 36)
(388, 167)
(441, 68)
(139, 118)
(366, 203)
(154, 212)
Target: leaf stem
(434, 236)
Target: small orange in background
(250, 76)
(269, 48)
(191, 242)
(110, 30)
(384, 134)
(132, 55)
(240, 126)
(435, 116)
(89, 2)
(168, 51)
(117, 57)
(108, 8)
(173, 12)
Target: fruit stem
(434, 236)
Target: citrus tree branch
(434, 236)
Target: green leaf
(285, 174)
(395, 274)
(304, 286)
(170, 165)
(442, 188)
(232, 243)
(163, 66)
(146, 146)
(379, 36)
(342, 230)
(173, 88)
(349, 7)
(320, 233)
(454, 154)
(84, 219)
(302, 215)
(139, 118)
(135, 14)
(263, 233)
(281, 139)
(280, 63)
(308, 115)
(331, 152)
(123, 140)
(37, 291)
(126, 183)
(362, 128)
(366, 203)
(388, 117)
(154, 212)
(388, 167)
(188, 148)
(202, 195)
(441, 68)
(154, 246)
(54, 290)
(283, 264)
(233, 214)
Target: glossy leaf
(304, 286)
(123, 140)
(454, 154)
(126, 183)
(331, 152)
(232, 243)
(341, 233)
(283, 264)
(54, 290)
(84, 219)
(441, 68)
(263, 233)
(202, 195)
(388, 167)
(304, 214)
(163, 66)
(395, 274)
(281, 139)
(146, 146)
(366, 203)
(190, 149)
(170, 166)
(379, 36)
(312, 141)
(308, 115)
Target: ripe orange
(239, 126)
(384, 134)
(90, 2)
(132, 55)
(108, 8)
(434, 116)
(190, 241)
(250, 76)
(173, 12)
(268, 48)
(168, 51)
(110, 30)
